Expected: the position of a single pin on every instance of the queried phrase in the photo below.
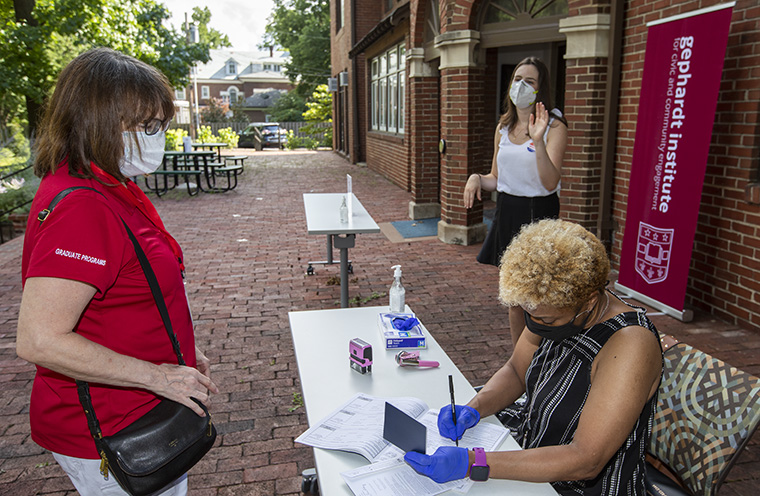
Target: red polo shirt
(83, 239)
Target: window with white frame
(205, 92)
(233, 93)
(387, 91)
(231, 67)
(179, 94)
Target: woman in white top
(529, 148)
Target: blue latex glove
(404, 323)
(446, 464)
(466, 418)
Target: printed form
(357, 426)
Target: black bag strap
(158, 296)
(43, 214)
(83, 388)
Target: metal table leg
(329, 261)
(344, 243)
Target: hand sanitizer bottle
(343, 211)
(397, 292)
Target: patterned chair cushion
(706, 413)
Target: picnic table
(210, 146)
(194, 168)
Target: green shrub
(227, 135)
(327, 138)
(205, 135)
(19, 189)
(310, 143)
(293, 141)
(174, 139)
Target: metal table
(320, 340)
(323, 217)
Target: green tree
(38, 37)
(210, 36)
(289, 108)
(319, 105)
(238, 111)
(320, 110)
(302, 27)
(215, 111)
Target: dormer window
(231, 67)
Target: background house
(414, 72)
(253, 79)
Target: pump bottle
(397, 292)
(343, 212)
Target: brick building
(257, 79)
(420, 86)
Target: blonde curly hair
(552, 262)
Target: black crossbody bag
(162, 445)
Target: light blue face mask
(145, 160)
(522, 94)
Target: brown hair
(98, 95)
(544, 95)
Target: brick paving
(246, 254)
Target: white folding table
(320, 339)
(323, 217)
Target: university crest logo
(653, 250)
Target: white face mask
(145, 160)
(522, 94)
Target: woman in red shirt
(87, 311)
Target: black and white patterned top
(558, 383)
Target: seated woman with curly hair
(590, 367)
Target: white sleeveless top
(517, 166)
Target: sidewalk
(246, 252)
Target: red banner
(679, 91)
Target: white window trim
(205, 92)
(236, 90)
(388, 88)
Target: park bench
(235, 160)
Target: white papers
(394, 477)
(357, 426)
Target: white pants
(87, 479)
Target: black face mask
(556, 333)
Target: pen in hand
(453, 408)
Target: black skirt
(513, 212)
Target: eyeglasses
(153, 126)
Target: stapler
(412, 359)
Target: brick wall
(724, 274)
(463, 125)
(585, 81)
(724, 266)
(423, 130)
(389, 156)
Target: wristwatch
(479, 469)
